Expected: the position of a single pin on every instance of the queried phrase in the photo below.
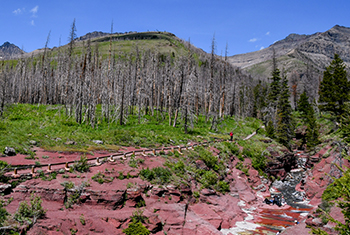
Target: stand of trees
(177, 87)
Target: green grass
(51, 128)
(163, 43)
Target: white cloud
(32, 23)
(34, 10)
(262, 48)
(18, 11)
(267, 34)
(253, 40)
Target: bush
(259, 163)
(207, 157)
(101, 178)
(68, 184)
(136, 228)
(233, 148)
(242, 168)
(81, 165)
(158, 175)
(133, 162)
(49, 177)
(3, 211)
(178, 167)
(208, 179)
(223, 187)
(196, 194)
(3, 166)
(30, 212)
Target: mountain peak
(296, 51)
(9, 50)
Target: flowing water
(271, 221)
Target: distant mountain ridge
(296, 51)
(9, 51)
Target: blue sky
(245, 25)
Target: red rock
(207, 213)
(116, 223)
(336, 213)
(154, 224)
(299, 229)
(208, 192)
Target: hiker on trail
(231, 136)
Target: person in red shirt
(231, 135)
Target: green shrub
(30, 212)
(49, 177)
(259, 163)
(232, 147)
(196, 194)
(242, 168)
(81, 165)
(208, 179)
(136, 228)
(68, 184)
(158, 175)
(223, 187)
(133, 162)
(3, 166)
(82, 219)
(101, 178)
(3, 211)
(207, 157)
(178, 167)
(121, 175)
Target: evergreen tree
(303, 104)
(285, 122)
(312, 131)
(270, 130)
(334, 88)
(275, 88)
(309, 119)
(259, 92)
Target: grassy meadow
(49, 126)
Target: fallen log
(254, 133)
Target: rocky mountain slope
(9, 51)
(296, 51)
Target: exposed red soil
(107, 208)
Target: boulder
(70, 143)
(5, 188)
(98, 141)
(10, 151)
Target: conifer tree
(259, 92)
(309, 119)
(275, 87)
(334, 88)
(285, 123)
(303, 104)
(270, 130)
